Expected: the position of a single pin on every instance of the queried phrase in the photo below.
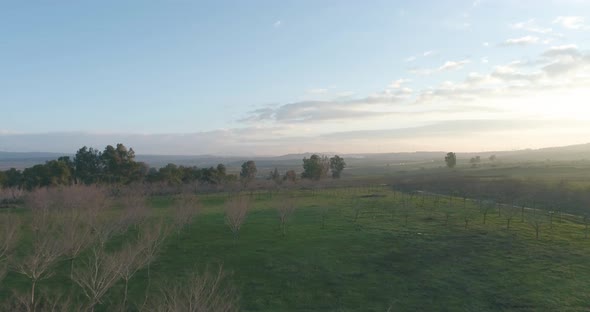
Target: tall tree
(2, 179)
(248, 172)
(337, 164)
(315, 167)
(119, 164)
(88, 166)
(451, 160)
(14, 178)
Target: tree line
(117, 165)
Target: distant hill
(563, 153)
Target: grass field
(367, 257)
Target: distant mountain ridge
(562, 153)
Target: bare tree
(9, 236)
(131, 258)
(45, 250)
(586, 221)
(406, 208)
(466, 215)
(285, 209)
(536, 221)
(202, 292)
(46, 302)
(509, 213)
(151, 240)
(185, 209)
(357, 208)
(97, 274)
(236, 210)
(73, 217)
(135, 210)
(485, 206)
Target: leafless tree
(357, 207)
(97, 274)
(536, 221)
(45, 302)
(135, 210)
(236, 210)
(202, 292)
(45, 250)
(285, 209)
(131, 258)
(509, 213)
(406, 208)
(586, 221)
(74, 219)
(185, 209)
(14, 193)
(9, 236)
(485, 206)
(151, 240)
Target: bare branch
(236, 210)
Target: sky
(279, 77)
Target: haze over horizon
(227, 78)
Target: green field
(376, 262)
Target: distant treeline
(117, 165)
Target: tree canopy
(248, 172)
(451, 160)
(316, 167)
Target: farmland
(370, 248)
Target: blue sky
(275, 77)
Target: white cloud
(531, 26)
(397, 84)
(428, 53)
(571, 22)
(526, 40)
(317, 91)
(278, 24)
(484, 60)
(486, 44)
(453, 65)
(410, 59)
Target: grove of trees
(117, 165)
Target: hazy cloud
(526, 40)
(531, 26)
(571, 22)
(453, 65)
(317, 91)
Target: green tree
(60, 171)
(2, 179)
(315, 167)
(451, 160)
(119, 164)
(337, 164)
(88, 166)
(36, 176)
(248, 172)
(14, 178)
(171, 174)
